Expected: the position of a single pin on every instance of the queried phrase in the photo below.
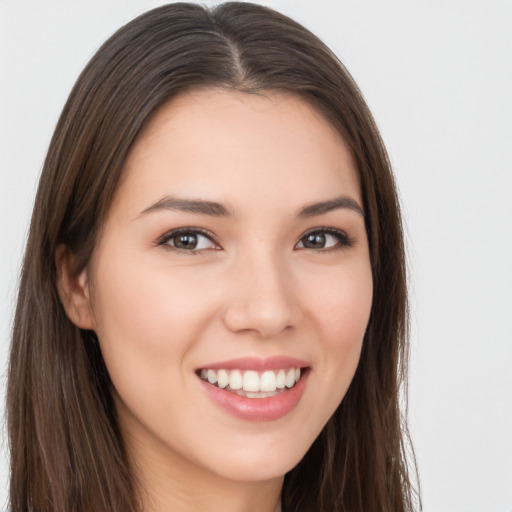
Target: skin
(255, 291)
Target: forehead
(218, 142)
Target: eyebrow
(190, 206)
(332, 204)
(215, 209)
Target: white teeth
(235, 380)
(268, 381)
(248, 394)
(290, 378)
(250, 382)
(212, 376)
(281, 379)
(222, 378)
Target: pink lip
(258, 409)
(257, 364)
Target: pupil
(315, 240)
(186, 242)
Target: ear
(73, 289)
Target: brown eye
(188, 240)
(314, 241)
(325, 239)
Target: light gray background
(438, 77)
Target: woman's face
(234, 254)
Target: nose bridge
(262, 295)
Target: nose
(262, 298)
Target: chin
(250, 464)
(259, 471)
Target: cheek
(342, 310)
(148, 319)
(146, 301)
(341, 316)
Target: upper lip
(257, 363)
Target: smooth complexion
(259, 274)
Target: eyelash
(344, 240)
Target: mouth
(252, 383)
(255, 389)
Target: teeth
(212, 376)
(222, 378)
(268, 381)
(251, 382)
(235, 380)
(280, 379)
(290, 378)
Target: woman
(212, 311)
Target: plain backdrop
(438, 78)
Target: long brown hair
(67, 453)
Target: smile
(250, 383)
(254, 389)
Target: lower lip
(257, 409)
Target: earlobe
(73, 289)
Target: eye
(189, 240)
(325, 239)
